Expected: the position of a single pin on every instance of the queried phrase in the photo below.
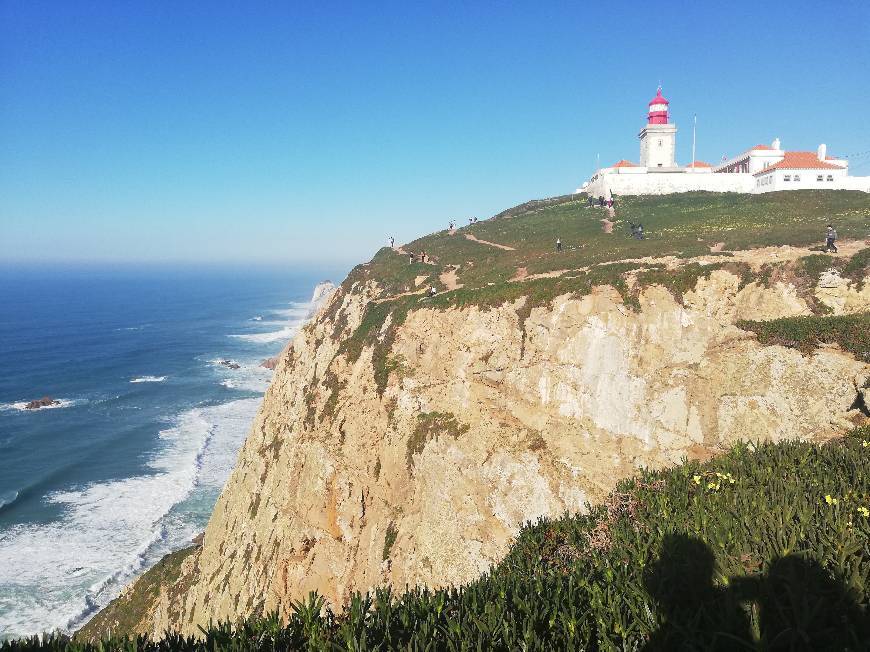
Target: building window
(830, 177)
(797, 177)
(820, 178)
(787, 177)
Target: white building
(763, 168)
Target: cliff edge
(406, 438)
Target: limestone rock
(543, 417)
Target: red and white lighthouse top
(658, 109)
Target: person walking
(410, 259)
(591, 201)
(558, 244)
(830, 238)
(392, 242)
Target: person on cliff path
(558, 244)
(392, 242)
(636, 231)
(830, 237)
(591, 201)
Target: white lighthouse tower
(658, 138)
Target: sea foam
(111, 531)
(149, 379)
(296, 315)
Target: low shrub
(765, 547)
(850, 332)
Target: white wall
(663, 183)
(758, 159)
(808, 180)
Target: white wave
(257, 318)
(7, 498)
(298, 314)
(249, 377)
(22, 405)
(55, 575)
(265, 338)
(321, 291)
(149, 379)
(300, 311)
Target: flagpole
(694, 126)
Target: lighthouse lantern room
(658, 137)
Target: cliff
(405, 439)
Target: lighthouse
(658, 138)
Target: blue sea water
(128, 467)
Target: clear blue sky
(299, 133)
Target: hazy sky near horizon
(308, 132)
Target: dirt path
(448, 278)
(522, 272)
(491, 244)
(755, 258)
(607, 225)
(403, 294)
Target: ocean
(151, 414)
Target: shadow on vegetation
(795, 605)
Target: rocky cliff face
(486, 421)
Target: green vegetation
(858, 267)
(389, 540)
(682, 225)
(850, 332)
(763, 548)
(686, 224)
(126, 612)
(431, 425)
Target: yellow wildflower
(863, 511)
(696, 479)
(865, 443)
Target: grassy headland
(683, 225)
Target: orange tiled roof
(623, 164)
(760, 147)
(699, 164)
(800, 161)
